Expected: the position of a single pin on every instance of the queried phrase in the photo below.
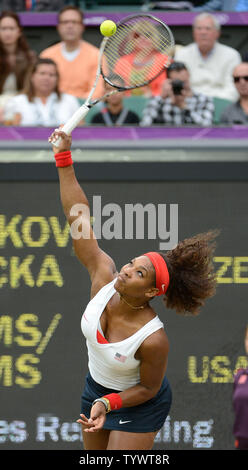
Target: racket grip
(73, 122)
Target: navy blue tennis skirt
(147, 417)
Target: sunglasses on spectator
(237, 79)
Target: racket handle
(73, 122)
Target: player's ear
(151, 292)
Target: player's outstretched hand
(96, 420)
(62, 138)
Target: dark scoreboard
(44, 291)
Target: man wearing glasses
(210, 63)
(76, 59)
(237, 113)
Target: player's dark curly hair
(192, 276)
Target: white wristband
(102, 401)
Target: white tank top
(113, 365)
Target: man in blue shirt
(242, 5)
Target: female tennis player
(127, 396)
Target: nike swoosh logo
(123, 422)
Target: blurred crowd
(39, 90)
(145, 5)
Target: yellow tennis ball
(108, 28)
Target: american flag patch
(120, 358)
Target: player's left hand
(96, 420)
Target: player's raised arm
(75, 204)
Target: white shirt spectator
(36, 113)
(211, 76)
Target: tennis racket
(133, 57)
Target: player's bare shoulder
(154, 347)
(157, 340)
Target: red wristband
(114, 400)
(63, 159)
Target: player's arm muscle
(153, 355)
(75, 204)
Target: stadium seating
(113, 4)
(229, 5)
(138, 103)
(219, 105)
(133, 103)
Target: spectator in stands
(15, 57)
(41, 103)
(210, 63)
(237, 113)
(48, 5)
(132, 65)
(113, 113)
(178, 105)
(245, 57)
(32, 5)
(193, 5)
(14, 5)
(76, 59)
(209, 5)
(242, 5)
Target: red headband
(162, 273)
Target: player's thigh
(131, 440)
(95, 440)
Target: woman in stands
(15, 57)
(127, 396)
(135, 66)
(41, 103)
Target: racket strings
(138, 52)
